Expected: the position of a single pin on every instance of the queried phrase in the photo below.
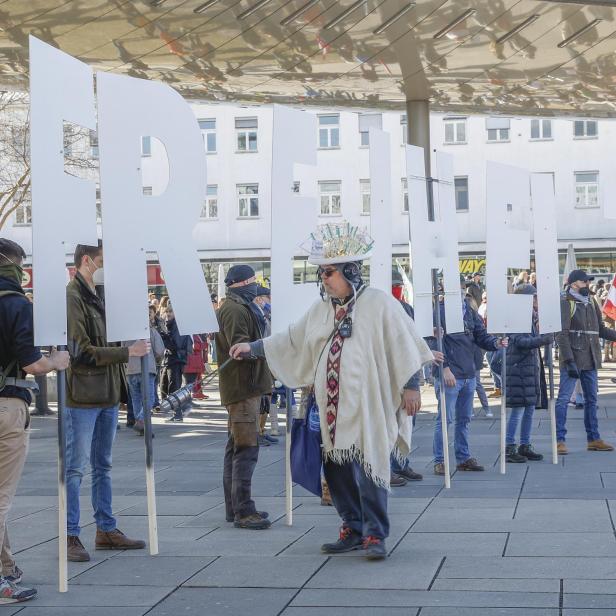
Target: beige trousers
(14, 434)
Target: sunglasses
(326, 272)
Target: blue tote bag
(306, 459)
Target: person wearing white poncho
(358, 349)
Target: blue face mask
(248, 292)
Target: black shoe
(409, 474)
(130, 423)
(512, 456)
(579, 406)
(348, 541)
(252, 522)
(174, 418)
(470, 465)
(41, 412)
(395, 481)
(270, 438)
(528, 452)
(375, 548)
(262, 441)
(263, 514)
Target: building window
(248, 200)
(146, 146)
(93, 144)
(405, 195)
(329, 131)
(147, 191)
(541, 129)
(586, 189)
(208, 131)
(210, 207)
(364, 189)
(246, 134)
(455, 130)
(461, 186)
(498, 129)
(330, 198)
(585, 129)
(405, 128)
(23, 213)
(366, 122)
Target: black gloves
(572, 369)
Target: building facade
(235, 222)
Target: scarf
(585, 299)
(333, 369)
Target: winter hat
(239, 273)
(525, 289)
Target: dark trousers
(41, 398)
(359, 502)
(241, 455)
(170, 379)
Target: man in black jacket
(18, 357)
(459, 373)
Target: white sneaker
(489, 413)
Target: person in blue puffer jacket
(526, 385)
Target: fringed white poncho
(377, 361)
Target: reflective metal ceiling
(509, 56)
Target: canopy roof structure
(538, 57)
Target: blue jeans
(495, 376)
(588, 379)
(526, 413)
(89, 436)
(134, 388)
(460, 398)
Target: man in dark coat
(525, 388)
(242, 384)
(580, 358)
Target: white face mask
(98, 277)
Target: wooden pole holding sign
(287, 459)
(441, 379)
(150, 483)
(503, 414)
(552, 404)
(62, 533)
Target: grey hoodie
(158, 349)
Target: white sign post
(63, 214)
(293, 143)
(433, 247)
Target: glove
(572, 369)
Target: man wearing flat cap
(580, 357)
(242, 384)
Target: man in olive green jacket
(93, 383)
(241, 386)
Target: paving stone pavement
(538, 541)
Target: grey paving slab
(590, 601)
(449, 520)
(505, 585)
(32, 609)
(479, 544)
(257, 572)
(487, 611)
(600, 587)
(8, 609)
(146, 571)
(417, 598)
(395, 572)
(535, 567)
(101, 595)
(224, 602)
(561, 544)
(552, 515)
(351, 611)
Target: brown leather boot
(116, 540)
(561, 448)
(599, 445)
(75, 552)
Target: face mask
(584, 291)
(98, 277)
(11, 270)
(247, 292)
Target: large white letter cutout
(128, 109)
(546, 252)
(63, 206)
(507, 246)
(293, 217)
(434, 244)
(380, 210)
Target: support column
(418, 128)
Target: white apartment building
(236, 222)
